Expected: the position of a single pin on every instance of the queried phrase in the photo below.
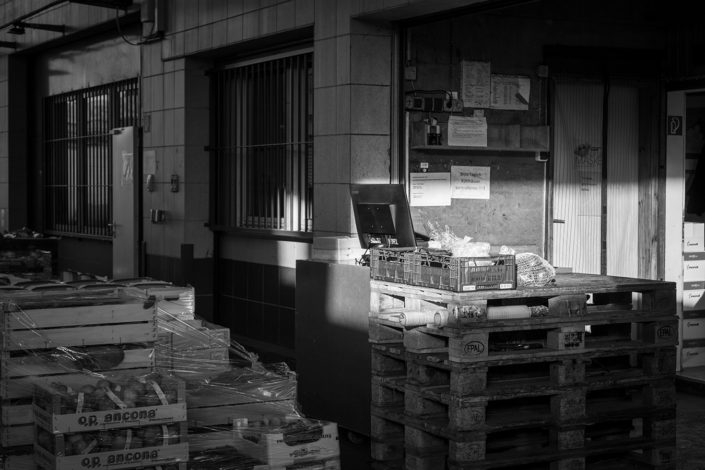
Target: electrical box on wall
(434, 105)
(152, 17)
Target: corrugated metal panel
(577, 176)
(623, 182)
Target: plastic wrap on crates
(533, 270)
(110, 419)
(48, 333)
(172, 302)
(445, 239)
(292, 442)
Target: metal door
(595, 193)
(126, 216)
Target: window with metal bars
(262, 154)
(78, 156)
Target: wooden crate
(37, 325)
(296, 442)
(56, 452)
(69, 407)
(17, 458)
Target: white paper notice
(510, 92)
(430, 189)
(475, 84)
(470, 182)
(467, 131)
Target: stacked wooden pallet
(585, 382)
(48, 335)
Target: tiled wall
(256, 302)
(352, 99)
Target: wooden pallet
(591, 368)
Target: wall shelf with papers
(493, 149)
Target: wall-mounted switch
(174, 183)
(150, 182)
(157, 216)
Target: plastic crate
(462, 274)
(389, 264)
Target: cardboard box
(693, 237)
(316, 440)
(694, 266)
(693, 296)
(693, 357)
(693, 328)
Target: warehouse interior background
(213, 143)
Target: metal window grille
(262, 155)
(78, 156)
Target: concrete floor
(355, 452)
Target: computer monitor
(382, 215)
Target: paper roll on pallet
(416, 318)
(440, 318)
(508, 312)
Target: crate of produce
(295, 441)
(213, 406)
(461, 274)
(136, 447)
(49, 335)
(112, 402)
(390, 264)
(116, 421)
(227, 457)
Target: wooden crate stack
(578, 385)
(41, 334)
(120, 421)
(247, 394)
(192, 347)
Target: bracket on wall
(122, 4)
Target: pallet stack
(51, 335)
(585, 382)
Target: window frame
(118, 105)
(303, 156)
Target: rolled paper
(416, 318)
(508, 312)
(440, 318)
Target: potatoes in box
(288, 443)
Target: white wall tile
(370, 109)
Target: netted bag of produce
(533, 270)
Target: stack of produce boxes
(56, 334)
(577, 374)
(114, 422)
(693, 321)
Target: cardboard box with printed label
(298, 441)
(693, 296)
(693, 237)
(694, 266)
(693, 327)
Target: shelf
(447, 148)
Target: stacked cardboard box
(693, 321)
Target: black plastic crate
(389, 264)
(462, 274)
